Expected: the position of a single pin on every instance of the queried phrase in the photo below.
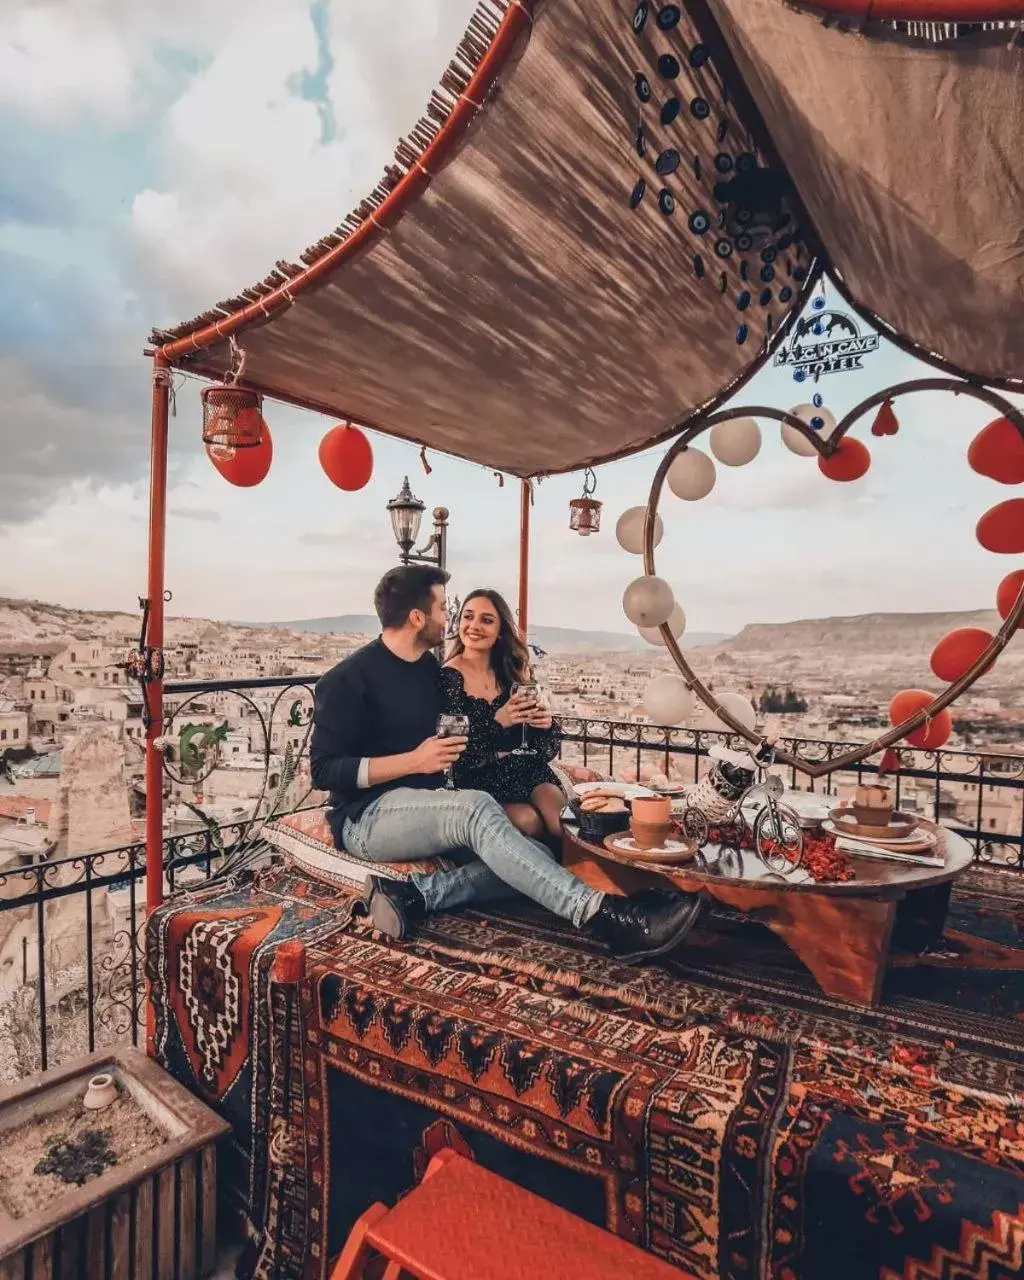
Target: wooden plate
(900, 826)
(624, 846)
(917, 842)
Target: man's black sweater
(371, 704)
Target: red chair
(465, 1223)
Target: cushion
(305, 839)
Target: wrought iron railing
(71, 963)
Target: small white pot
(102, 1091)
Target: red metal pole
(155, 634)
(525, 499)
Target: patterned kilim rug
(714, 1109)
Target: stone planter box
(152, 1217)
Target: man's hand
(518, 710)
(437, 754)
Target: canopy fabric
(520, 313)
(907, 155)
(502, 296)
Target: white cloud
(248, 172)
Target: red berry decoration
(850, 461)
(886, 422)
(244, 467)
(1007, 593)
(958, 651)
(1001, 528)
(346, 457)
(997, 451)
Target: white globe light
(676, 624)
(692, 475)
(741, 709)
(629, 531)
(648, 601)
(667, 700)
(796, 442)
(736, 442)
(821, 420)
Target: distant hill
(874, 633)
(554, 639)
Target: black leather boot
(394, 906)
(645, 924)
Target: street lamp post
(406, 512)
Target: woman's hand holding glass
(517, 710)
(540, 716)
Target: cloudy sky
(154, 158)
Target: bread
(602, 802)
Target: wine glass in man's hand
(452, 727)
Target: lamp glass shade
(406, 512)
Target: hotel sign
(825, 342)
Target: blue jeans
(406, 824)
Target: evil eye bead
(744, 242)
(723, 162)
(668, 16)
(698, 266)
(817, 400)
(640, 16)
(768, 274)
(741, 335)
(743, 301)
(799, 375)
(699, 222)
(785, 293)
(670, 110)
(723, 247)
(666, 201)
(700, 109)
(746, 161)
(637, 193)
(818, 303)
(668, 66)
(768, 253)
(699, 54)
(667, 162)
(640, 142)
(765, 297)
(642, 87)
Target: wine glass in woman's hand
(528, 690)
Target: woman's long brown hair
(510, 658)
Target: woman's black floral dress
(510, 779)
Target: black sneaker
(394, 906)
(645, 924)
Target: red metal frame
(525, 502)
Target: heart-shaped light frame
(826, 448)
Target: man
(375, 749)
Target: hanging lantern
(692, 475)
(231, 418)
(736, 441)
(585, 512)
(346, 457)
(244, 467)
(1001, 528)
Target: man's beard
(432, 634)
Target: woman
(485, 660)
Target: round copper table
(842, 932)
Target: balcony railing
(71, 955)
